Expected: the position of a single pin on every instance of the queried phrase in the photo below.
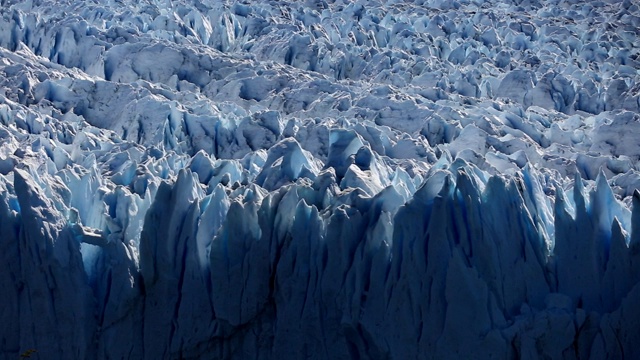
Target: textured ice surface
(319, 179)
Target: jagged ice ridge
(319, 179)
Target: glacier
(321, 179)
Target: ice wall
(319, 180)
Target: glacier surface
(319, 179)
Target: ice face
(319, 179)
